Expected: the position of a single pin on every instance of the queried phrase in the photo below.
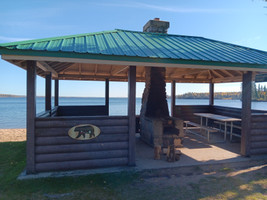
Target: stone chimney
(156, 26)
(154, 100)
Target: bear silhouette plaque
(84, 132)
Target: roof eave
(60, 56)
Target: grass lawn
(219, 183)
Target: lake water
(13, 110)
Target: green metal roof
(124, 45)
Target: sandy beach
(12, 135)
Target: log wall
(187, 112)
(82, 110)
(258, 134)
(258, 130)
(56, 151)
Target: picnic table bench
(207, 129)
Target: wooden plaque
(84, 132)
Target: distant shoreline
(185, 96)
(11, 95)
(20, 96)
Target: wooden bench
(228, 125)
(209, 130)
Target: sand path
(12, 135)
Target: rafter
(117, 71)
(172, 72)
(227, 73)
(239, 73)
(217, 74)
(47, 68)
(191, 71)
(64, 70)
(199, 74)
(210, 74)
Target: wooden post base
(157, 152)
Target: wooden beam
(64, 70)
(179, 64)
(173, 97)
(227, 72)
(31, 113)
(48, 83)
(172, 72)
(47, 68)
(131, 112)
(211, 95)
(239, 73)
(104, 77)
(56, 91)
(189, 80)
(107, 95)
(217, 74)
(209, 74)
(144, 73)
(246, 113)
(117, 71)
(80, 68)
(189, 72)
(202, 72)
(96, 68)
(228, 79)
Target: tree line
(259, 93)
(205, 95)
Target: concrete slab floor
(195, 151)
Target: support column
(211, 97)
(56, 91)
(173, 97)
(48, 83)
(107, 96)
(131, 113)
(31, 113)
(246, 113)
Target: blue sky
(242, 22)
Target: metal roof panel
(150, 45)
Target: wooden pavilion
(122, 55)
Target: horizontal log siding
(227, 111)
(82, 110)
(258, 138)
(56, 151)
(187, 112)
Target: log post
(246, 113)
(173, 94)
(211, 97)
(31, 113)
(48, 80)
(56, 91)
(131, 113)
(107, 96)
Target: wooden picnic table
(221, 118)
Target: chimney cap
(156, 26)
